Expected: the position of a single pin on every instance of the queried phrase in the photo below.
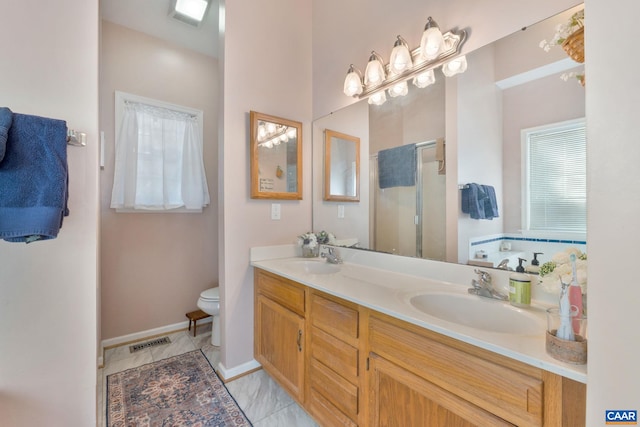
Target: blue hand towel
(490, 202)
(473, 201)
(34, 179)
(6, 117)
(397, 166)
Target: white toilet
(209, 302)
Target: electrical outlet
(340, 211)
(275, 211)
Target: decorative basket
(574, 45)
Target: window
(158, 161)
(555, 184)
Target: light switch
(275, 211)
(340, 211)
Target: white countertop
(386, 284)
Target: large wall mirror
(510, 85)
(341, 167)
(276, 157)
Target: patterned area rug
(180, 391)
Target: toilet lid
(211, 294)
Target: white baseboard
(237, 371)
(139, 336)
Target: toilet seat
(212, 294)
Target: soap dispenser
(534, 268)
(520, 287)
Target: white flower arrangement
(311, 240)
(559, 270)
(564, 30)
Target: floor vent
(149, 344)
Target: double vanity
(387, 340)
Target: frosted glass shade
(455, 66)
(374, 73)
(424, 79)
(431, 44)
(400, 57)
(378, 98)
(399, 89)
(352, 83)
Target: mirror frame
(256, 192)
(328, 135)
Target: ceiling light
(374, 73)
(455, 66)
(432, 42)
(353, 82)
(189, 11)
(424, 79)
(400, 57)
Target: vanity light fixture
(374, 74)
(435, 50)
(353, 82)
(400, 57)
(189, 11)
(432, 41)
(455, 66)
(271, 134)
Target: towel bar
(77, 139)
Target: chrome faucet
(331, 256)
(504, 265)
(483, 287)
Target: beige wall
(48, 289)
(267, 68)
(154, 266)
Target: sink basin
(479, 313)
(317, 267)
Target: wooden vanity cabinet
(333, 386)
(279, 330)
(351, 366)
(426, 379)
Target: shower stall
(410, 221)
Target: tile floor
(261, 399)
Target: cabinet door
(399, 398)
(279, 345)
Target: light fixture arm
(452, 46)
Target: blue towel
(34, 179)
(397, 166)
(490, 202)
(6, 117)
(473, 201)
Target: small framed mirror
(276, 157)
(341, 167)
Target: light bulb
(268, 144)
(262, 132)
(271, 128)
(399, 89)
(455, 66)
(353, 82)
(432, 42)
(284, 137)
(374, 73)
(378, 98)
(291, 133)
(424, 79)
(400, 57)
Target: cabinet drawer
(511, 395)
(336, 318)
(330, 351)
(335, 389)
(283, 291)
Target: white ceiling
(152, 17)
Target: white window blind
(556, 184)
(158, 162)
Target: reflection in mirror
(510, 85)
(276, 157)
(341, 167)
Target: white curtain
(158, 163)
